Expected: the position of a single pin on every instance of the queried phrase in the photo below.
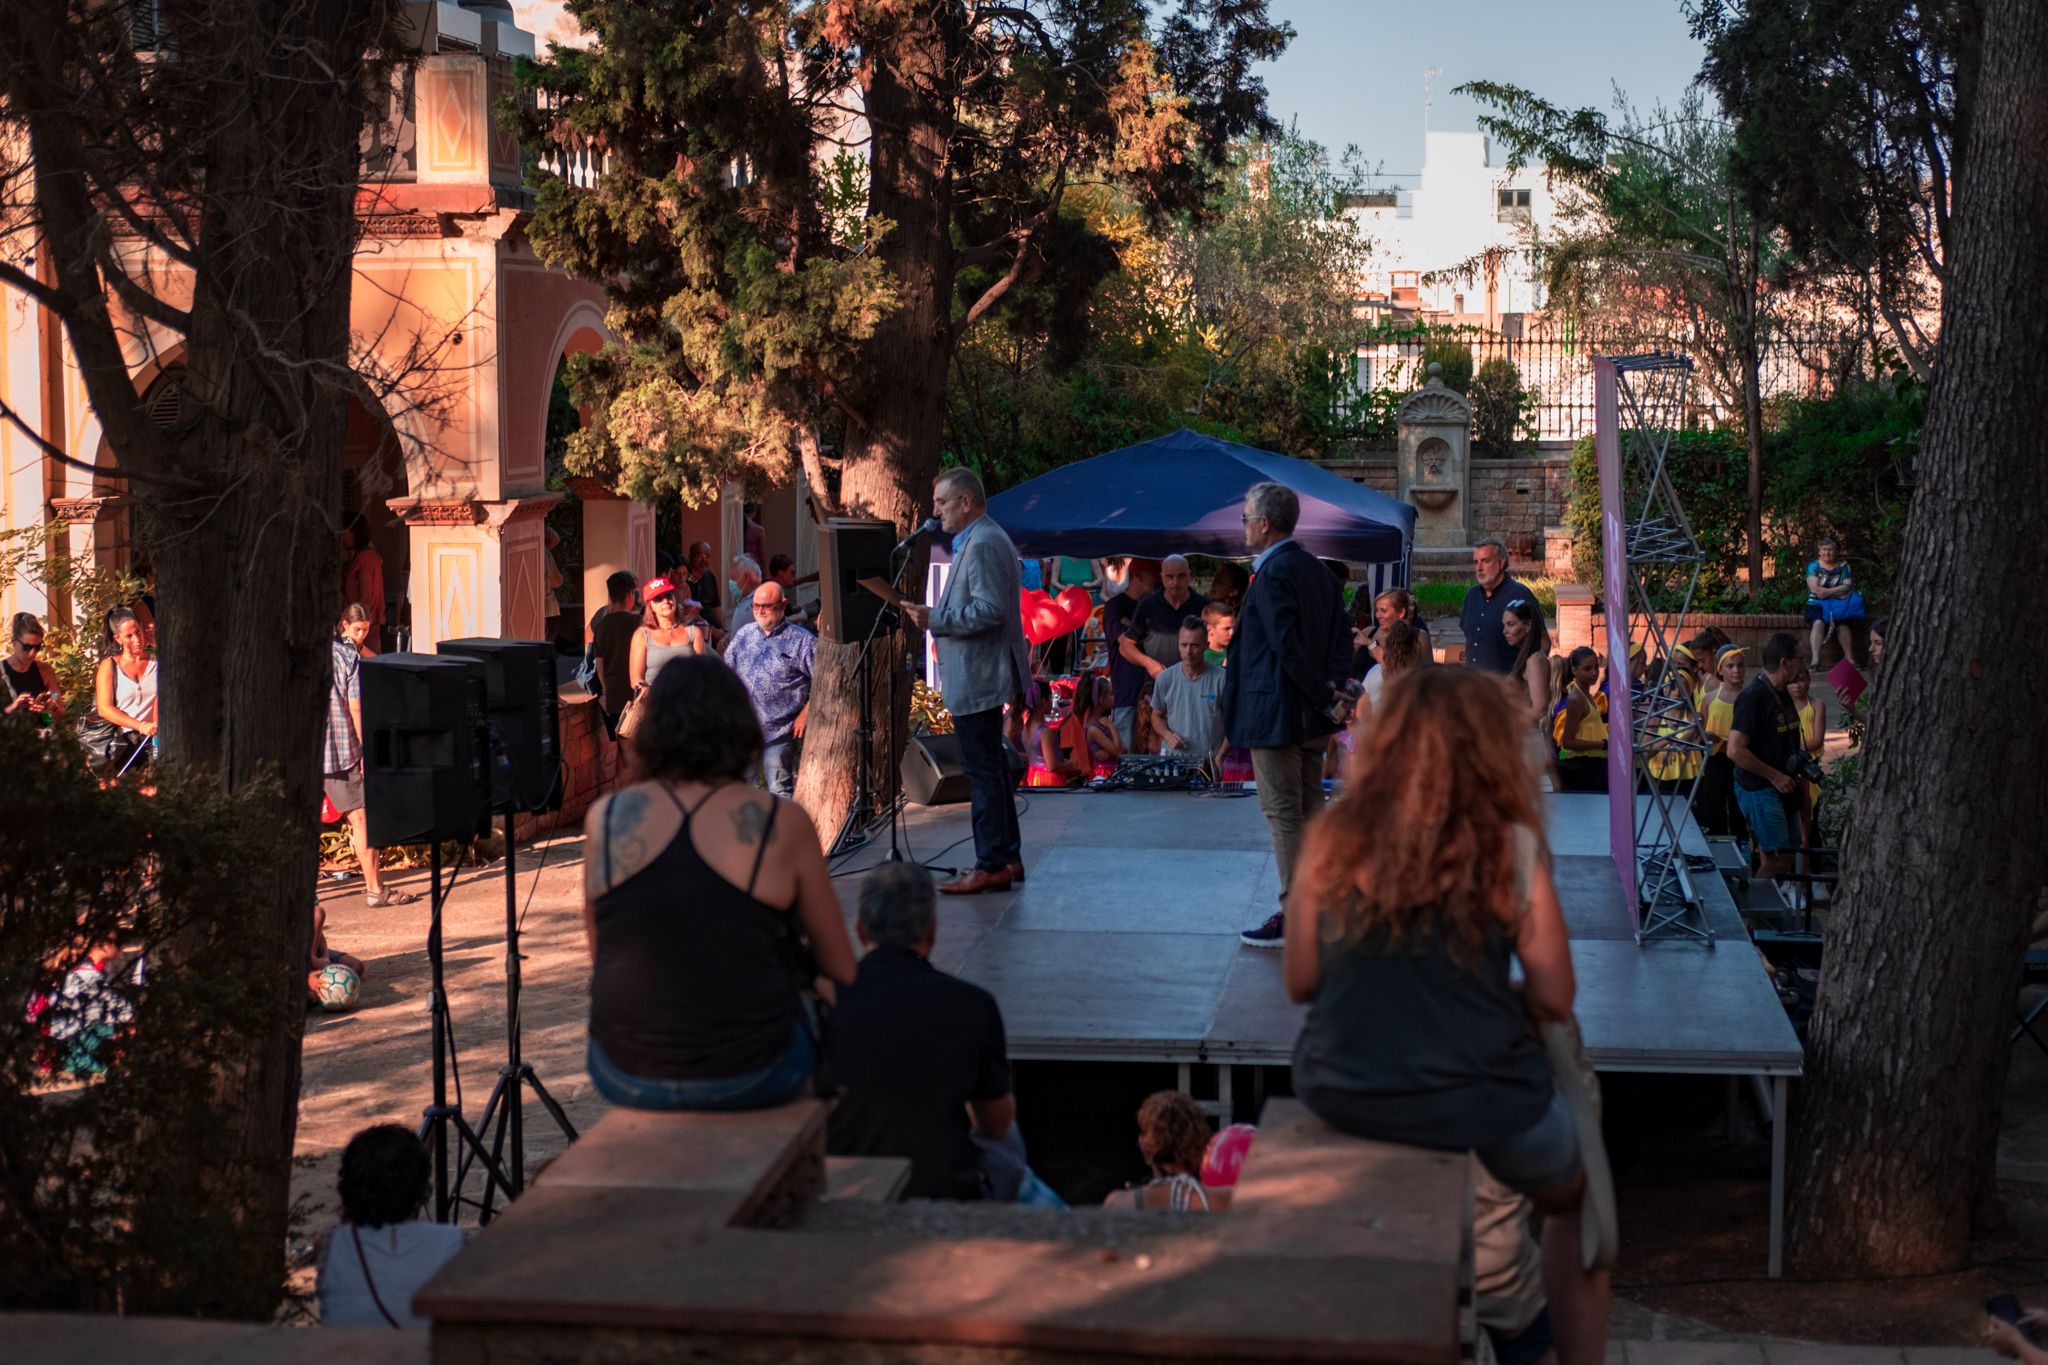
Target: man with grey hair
(983, 664)
(918, 1050)
(1486, 601)
(774, 656)
(746, 576)
(1291, 650)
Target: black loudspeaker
(426, 749)
(850, 549)
(932, 775)
(520, 705)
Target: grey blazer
(979, 625)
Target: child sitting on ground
(381, 1252)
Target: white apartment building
(1465, 205)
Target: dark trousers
(1713, 802)
(996, 841)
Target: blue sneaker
(1271, 934)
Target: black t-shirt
(612, 632)
(914, 1046)
(1770, 723)
(704, 587)
(1126, 679)
(1155, 625)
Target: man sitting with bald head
(773, 657)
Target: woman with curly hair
(382, 1251)
(1417, 889)
(1173, 1133)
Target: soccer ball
(337, 989)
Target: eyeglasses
(665, 597)
(28, 647)
(1519, 602)
(1249, 517)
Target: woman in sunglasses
(665, 636)
(31, 684)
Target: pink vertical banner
(1621, 778)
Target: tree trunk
(1895, 1132)
(892, 455)
(239, 513)
(1750, 315)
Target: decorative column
(478, 568)
(618, 533)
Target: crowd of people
(724, 977)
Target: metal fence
(1559, 372)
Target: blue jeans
(997, 843)
(1125, 718)
(778, 766)
(779, 1082)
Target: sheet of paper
(880, 588)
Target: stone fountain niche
(1434, 433)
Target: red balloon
(1225, 1156)
(1047, 617)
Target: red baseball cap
(655, 587)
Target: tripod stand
(506, 1101)
(440, 1117)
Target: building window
(1514, 199)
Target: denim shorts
(779, 1082)
(1541, 1157)
(1769, 826)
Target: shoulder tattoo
(750, 822)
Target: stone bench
(662, 1237)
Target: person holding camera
(1769, 754)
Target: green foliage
(749, 272)
(100, 1132)
(1847, 134)
(1841, 465)
(1503, 411)
(72, 648)
(1441, 597)
(1235, 321)
(1456, 358)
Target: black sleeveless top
(694, 977)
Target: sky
(1355, 70)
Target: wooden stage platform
(1122, 945)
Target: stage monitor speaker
(932, 775)
(850, 549)
(426, 749)
(521, 706)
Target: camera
(1806, 768)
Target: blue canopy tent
(1184, 494)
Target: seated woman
(1832, 601)
(1040, 725)
(1414, 892)
(699, 963)
(1099, 731)
(1173, 1136)
(124, 700)
(382, 1251)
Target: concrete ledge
(103, 1339)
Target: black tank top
(28, 682)
(694, 977)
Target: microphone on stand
(931, 524)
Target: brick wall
(593, 769)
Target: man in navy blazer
(1286, 662)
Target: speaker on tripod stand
(427, 779)
(520, 705)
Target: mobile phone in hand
(2006, 1308)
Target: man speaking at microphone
(983, 663)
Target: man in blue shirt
(773, 657)
(1486, 644)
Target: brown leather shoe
(1016, 871)
(976, 882)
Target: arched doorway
(372, 473)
